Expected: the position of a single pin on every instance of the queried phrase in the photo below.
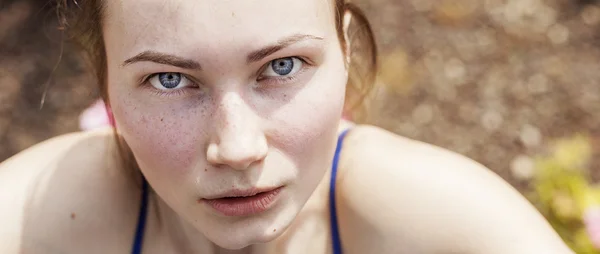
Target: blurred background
(513, 84)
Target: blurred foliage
(563, 192)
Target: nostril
(238, 163)
(212, 154)
(235, 156)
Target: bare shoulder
(411, 197)
(56, 194)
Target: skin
(235, 126)
(239, 128)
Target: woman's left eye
(283, 67)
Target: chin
(257, 230)
(232, 245)
(245, 239)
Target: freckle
(205, 170)
(161, 119)
(72, 216)
(274, 229)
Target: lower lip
(245, 206)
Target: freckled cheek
(307, 128)
(169, 141)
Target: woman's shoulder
(59, 193)
(369, 147)
(425, 199)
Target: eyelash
(167, 94)
(283, 80)
(145, 82)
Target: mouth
(239, 203)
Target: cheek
(306, 128)
(161, 137)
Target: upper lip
(238, 193)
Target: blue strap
(335, 234)
(139, 232)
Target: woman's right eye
(167, 81)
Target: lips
(241, 193)
(239, 203)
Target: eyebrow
(254, 56)
(162, 58)
(260, 54)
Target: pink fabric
(591, 219)
(98, 115)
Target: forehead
(151, 23)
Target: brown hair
(82, 19)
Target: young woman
(228, 122)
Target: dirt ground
(494, 80)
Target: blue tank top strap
(141, 224)
(335, 234)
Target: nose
(238, 140)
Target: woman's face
(226, 98)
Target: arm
(20, 177)
(65, 195)
(409, 197)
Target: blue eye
(169, 81)
(283, 67)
